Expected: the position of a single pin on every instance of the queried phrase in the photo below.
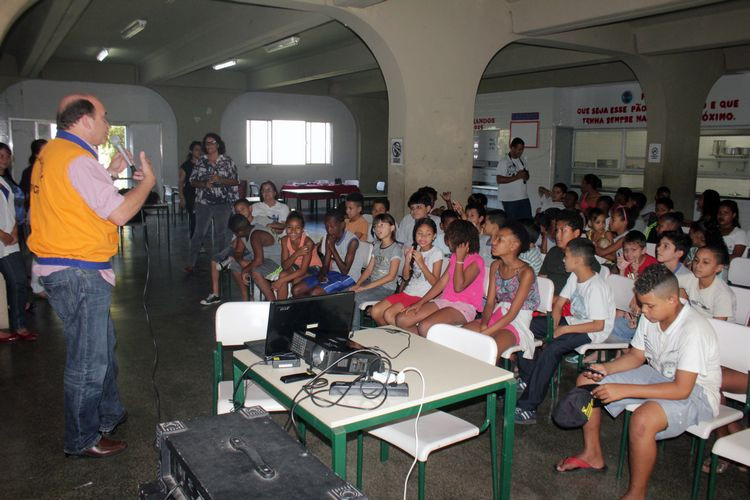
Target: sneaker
(525, 417)
(211, 299)
(274, 275)
(521, 385)
(224, 264)
(572, 359)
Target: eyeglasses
(213, 143)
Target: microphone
(415, 245)
(115, 140)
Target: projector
(331, 354)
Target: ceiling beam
(610, 40)
(223, 39)
(350, 58)
(542, 17)
(519, 58)
(57, 20)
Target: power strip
(370, 389)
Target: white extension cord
(401, 376)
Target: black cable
(394, 331)
(157, 399)
(237, 385)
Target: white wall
(273, 106)
(126, 104)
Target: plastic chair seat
(517, 348)
(632, 407)
(365, 305)
(726, 416)
(735, 447)
(742, 398)
(436, 430)
(255, 395)
(599, 346)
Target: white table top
(308, 191)
(447, 373)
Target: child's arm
(557, 309)
(433, 276)
(610, 250)
(309, 248)
(286, 259)
(462, 278)
(258, 240)
(345, 264)
(489, 306)
(526, 279)
(738, 251)
(392, 275)
(436, 290)
(365, 274)
(679, 388)
(596, 325)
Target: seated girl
(422, 266)
(620, 224)
(378, 280)
(338, 250)
(457, 296)
(298, 257)
(512, 293)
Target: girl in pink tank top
(457, 296)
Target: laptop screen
(328, 316)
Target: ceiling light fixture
(102, 55)
(225, 64)
(282, 44)
(133, 29)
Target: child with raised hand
(420, 205)
(476, 215)
(378, 280)
(552, 198)
(672, 370)
(634, 259)
(457, 296)
(729, 226)
(298, 257)
(512, 293)
(338, 249)
(598, 229)
(620, 223)
(422, 266)
(708, 294)
(355, 223)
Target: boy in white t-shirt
(592, 308)
(707, 293)
(678, 387)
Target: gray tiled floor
(31, 410)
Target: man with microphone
(511, 179)
(75, 211)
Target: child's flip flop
(581, 466)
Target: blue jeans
(519, 209)
(14, 272)
(81, 299)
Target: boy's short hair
(419, 198)
(531, 229)
(664, 190)
(356, 198)
(521, 234)
(667, 202)
(383, 201)
(431, 191)
(720, 251)
(242, 201)
(680, 240)
(658, 279)
(571, 219)
(639, 199)
(582, 247)
(635, 237)
(448, 214)
(481, 210)
(606, 199)
(477, 199)
(596, 212)
(624, 191)
(462, 231)
(335, 213)
(495, 216)
(238, 223)
(673, 217)
(517, 141)
(572, 194)
(294, 214)
(563, 187)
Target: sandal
(580, 466)
(721, 466)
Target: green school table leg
(338, 453)
(509, 424)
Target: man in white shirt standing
(511, 179)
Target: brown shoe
(103, 449)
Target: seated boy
(446, 217)
(420, 206)
(355, 223)
(379, 206)
(592, 315)
(493, 221)
(671, 251)
(337, 250)
(234, 257)
(570, 200)
(707, 293)
(663, 206)
(553, 198)
(532, 256)
(678, 386)
(670, 221)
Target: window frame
(308, 147)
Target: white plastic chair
(651, 249)
(735, 447)
(237, 323)
(439, 429)
(742, 314)
(734, 353)
(739, 272)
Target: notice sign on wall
(397, 152)
(654, 153)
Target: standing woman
(214, 178)
(708, 206)
(590, 186)
(36, 146)
(187, 193)
(11, 262)
(19, 197)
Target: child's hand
(355, 288)
(246, 275)
(462, 251)
(418, 258)
(303, 250)
(622, 264)
(408, 252)
(607, 393)
(446, 196)
(595, 376)
(560, 330)
(278, 285)
(413, 309)
(459, 209)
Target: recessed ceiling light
(225, 64)
(102, 55)
(282, 44)
(133, 29)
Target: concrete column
(675, 88)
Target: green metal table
(450, 377)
